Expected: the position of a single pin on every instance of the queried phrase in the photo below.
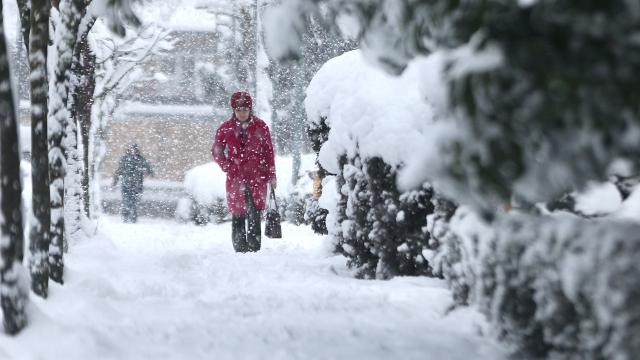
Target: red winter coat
(251, 164)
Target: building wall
(171, 147)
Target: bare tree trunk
(13, 298)
(39, 232)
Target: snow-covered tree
(13, 290)
(62, 128)
(84, 68)
(79, 112)
(321, 40)
(80, 104)
(39, 238)
(245, 52)
(493, 52)
(118, 64)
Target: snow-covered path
(161, 290)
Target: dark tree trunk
(84, 68)
(25, 20)
(39, 232)
(12, 298)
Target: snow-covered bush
(383, 232)
(294, 208)
(446, 251)
(541, 108)
(557, 286)
(206, 186)
(316, 216)
(293, 191)
(367, 125)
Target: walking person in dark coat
(131, 170)
(243, 149)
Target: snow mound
(371, 112)
(206, 183)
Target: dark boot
(127, 205)
(134, 207)
(238, 233)
(253, 217)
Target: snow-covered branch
(119, 60)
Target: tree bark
(13, 297)
(83, 98)
(39, 232)
(65, 40)
(25, 20)
(73, 177)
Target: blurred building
(173, 113)
(170, 114)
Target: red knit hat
(241, 99)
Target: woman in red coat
(243, 149)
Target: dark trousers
(130, 200)
(245, 228)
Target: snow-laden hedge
(557, 286)
(381, 230)
(367, 126)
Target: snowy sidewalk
(161, 290)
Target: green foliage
(563, 104)
(557, 287)
(382, 231)
(553, 114)
(316, 216)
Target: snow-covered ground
(161, 290)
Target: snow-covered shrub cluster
(365, 133)
(447, 253)
(381, 231)
(205, 185)
(294, 190)
(541, 109)
(316, 216)
(557, 286)
(206, 188)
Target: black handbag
(272, 228)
